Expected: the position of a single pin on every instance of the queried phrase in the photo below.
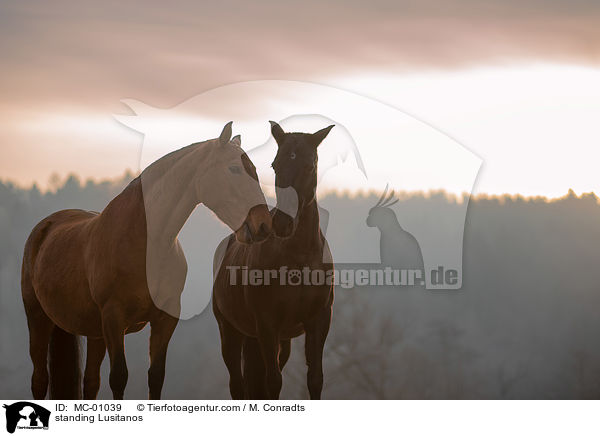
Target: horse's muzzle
(283, 224)
(256, 227)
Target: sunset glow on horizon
(534, 122)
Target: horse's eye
(293, 155)
(235, 169)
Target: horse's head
(235, 197)
(381, 214)
(295, 167)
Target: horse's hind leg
(231, 349)
(113, 329)
(96, 349)
(40, 329)
(162, 329)
(316, 333)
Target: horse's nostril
(262, 230)
(247, 232)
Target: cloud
(80, 59)
(98, 54)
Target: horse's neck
(169, 192)
(307, 236)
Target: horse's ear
(225, 135)
(318, 137)
(277, 132)
(237, 140)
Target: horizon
(59, 182)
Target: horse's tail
(64, 365)
(33, 244)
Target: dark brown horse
(103, 275)
(258, 321)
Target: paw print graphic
(294, 277)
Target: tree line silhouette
(524, 324)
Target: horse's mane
(168, 161)
(158, 169)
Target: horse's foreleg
(316, 333)
(269, 347)
(113, 329)
(231, 349)
(161, 331)
(96, 349)
(254, 370)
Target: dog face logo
(26, 415)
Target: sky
(514, 82)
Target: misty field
(524, 325)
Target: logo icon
(26, 415)
(373, 145)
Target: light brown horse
(258, 322)
(103, 275)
